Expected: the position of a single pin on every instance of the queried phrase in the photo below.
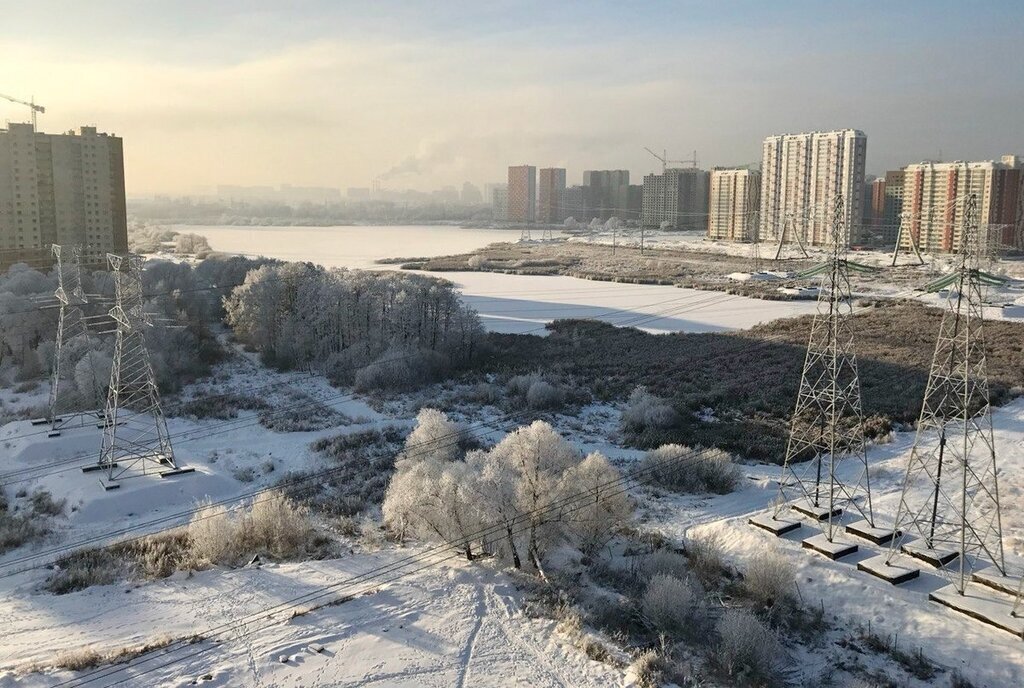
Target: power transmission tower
(72, 334)
(755, 241)
(525, 234)
(827, 423)
(546, 234)
(796, 234)
(950, 497)
(135, 434)
(905, 230)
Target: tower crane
(665, 162)
(36, 109)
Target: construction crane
(665, 162)
(36, 109)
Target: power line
(522, 522)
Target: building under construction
(63, 189)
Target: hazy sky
(430, 93)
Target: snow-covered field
(448, 623)
(506, 303)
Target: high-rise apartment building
(60, 189)
(551, 195)
(934, 195)
(574, 203)
(608, 193)
(801, 175)
(497, 194)
(733, 204)
(471, 194)
(678, 197)
(522, 193)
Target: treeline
(184, 302)
(376, 329)
(373, 329)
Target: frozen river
(506, 303)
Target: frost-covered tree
(531, 491)
(603, 506)
(397, 326)
(435, 438)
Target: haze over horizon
(334, 94)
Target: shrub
(670, 603)
(770, 578)
(748, 646)
(665, 561)
(648, 669)
(273, 526)
(85, 569)
(645, 411)
(544, 395)
(681, 469)
(706, 558)
(18, 530)
(43, 504)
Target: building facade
(733, 204)
(934, 197)
(498, 197)
(801, 175)
(60, 189)
(678, 197)
(608, 193)
(551, 195)
(522, 193)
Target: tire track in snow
(466, 656)
(501, 616)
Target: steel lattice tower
(135, 434)
(72, 331)
(904, 229)
(796, 234)
(827, 423)
(950, 497)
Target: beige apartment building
(60, 189)
(934, 195)
(733, 204)
(801, 175)
(522, 193)
(551, 195)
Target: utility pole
(828, 422)
(135, 436)
(950, 498)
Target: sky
(424, 94)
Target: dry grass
(88, 657)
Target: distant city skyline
(338, 94)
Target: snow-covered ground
(449, 623)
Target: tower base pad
(993, 579)
(936, 557)
(776, 526)
(983, 604)
(866, 531)
(890, 573)
(833, 550)
(818, 513)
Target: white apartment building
(733, 204)
(801, 175)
